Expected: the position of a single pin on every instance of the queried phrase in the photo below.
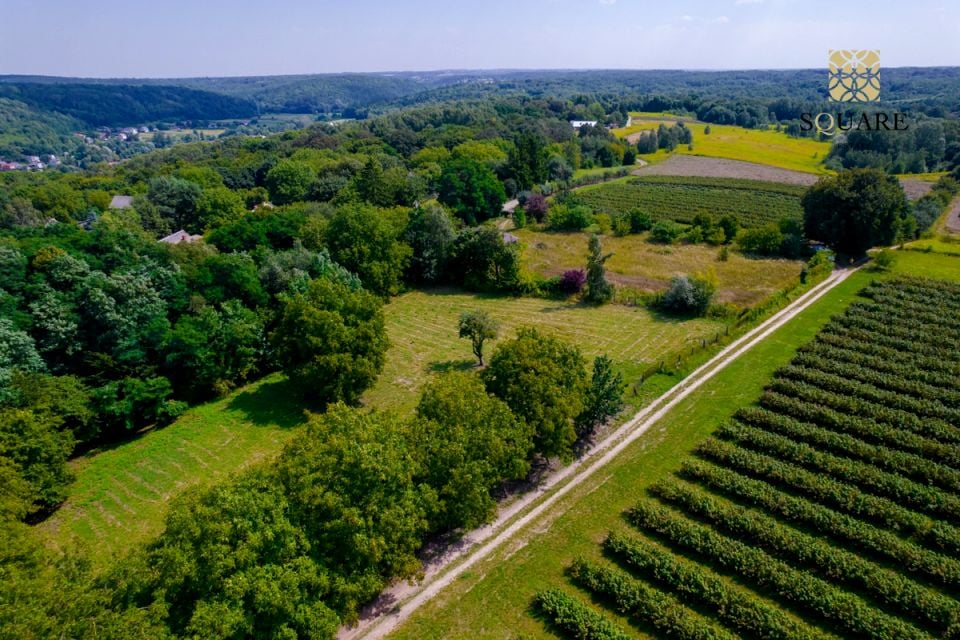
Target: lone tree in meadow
(599, 290)
(855, 210)
(479, 326)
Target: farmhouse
(180, 236)
(121, 202)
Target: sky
(181, 38)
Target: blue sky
(176, 38)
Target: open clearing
(492, 599)
(761, 146)
(701, 167)
(471, 605)
(422, 326)
(645, 266)
(120, 495)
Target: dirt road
(398, 602)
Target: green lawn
(121, 494)
(762, 146)
(492, 600)
(422, 326)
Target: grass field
(121, 494)
(422, 326)
(493, 599)
(642, 265)
(762, 146)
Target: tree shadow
(271, 404)
(452, 365)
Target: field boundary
(398, 602)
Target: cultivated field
(698, 166)
(493, 599)
(120, 495)
(753, 203)
(645, 266)
(761, 146)
(831, 503)
(422, 326)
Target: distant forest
(40, 113)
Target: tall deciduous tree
(855, 210)
(368, 242)
(471, 190)
(478, 326)
(331, 341)
(543, 380)
(470, 443)
(290, 181)
(604, 397)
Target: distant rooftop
(180, 236)
(121, 202)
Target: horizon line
(477, 70)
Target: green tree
(290, 181)
(232, 564)
(331, 341)
(38, 450)
(485, 262)
(351, 480)
(176, 200)
(855, 210)
(479, 327)
(218, 206)
(430, 234)
(604, 397)
(368, 242)
(471, 190)
(527, 161)
(543, 381)
(470, 443)
(599, 290)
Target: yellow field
(769, 147)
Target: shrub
(640, 221)
(884, 260)
(572, 281)
(569, 218)
(690, 294)
(665, 232)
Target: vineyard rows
(753, 204)
(830, 509)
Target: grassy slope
(639, 264)
(769, 147)
(492, 600)
(422, 326)
(120, 495)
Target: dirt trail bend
(398, 602)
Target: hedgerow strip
(833, 563)
(577, 619)
(853, 532)
(935, 534)
(736, 607)
(843, 609)
(904, 491)
(633, 598)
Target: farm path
(397, 603)
(704, 167)
(953, 219)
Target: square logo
(854, 75)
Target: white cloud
(687, 18)
(721, 19)
(608, 2)
(748, 2)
